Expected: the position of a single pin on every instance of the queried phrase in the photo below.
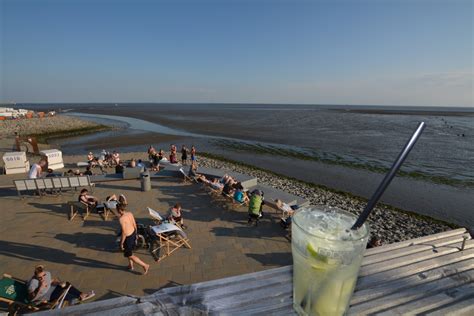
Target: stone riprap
(389, 224)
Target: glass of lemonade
(327, 256)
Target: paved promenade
(36, 230)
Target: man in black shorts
(129, 238)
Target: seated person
(115, 157)
(119, 167)
(228, 187)
(88, 171)
(173, 158)
(132, 163)
(216, 184)
(51, 173)
(287, 210)
(375, 241)
(42, 289)
(111, 201)
(140, 164)
(175, 216)
(224, 179)
(255, 205)
(287, 215)
(87, 199)
(90, 158)
(192, 173)
(37, 168)
(239, 195)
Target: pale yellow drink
(326, 260)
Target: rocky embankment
(53, 124)
(389, 224)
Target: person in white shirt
(37, 168)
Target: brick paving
(36, 230)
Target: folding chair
(170, 238)
(14, 292)
(74, 209)
(186, 177)
(109, 207)
(157, 218)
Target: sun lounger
(14, 292)
(170, 238)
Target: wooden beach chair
(75, 206)
(14, 292)
(157, 218)
(169, 239)
(187, 178)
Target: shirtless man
(129, 237)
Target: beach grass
(43, 138)
(323, 187)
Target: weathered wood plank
(415, 241)
(374, 279)
(387, 288)
(411, 259)
(412, 293)
(433, 302)
(247, 299)
(215, 295)
(464, 307)
(208, 285)
(450, 241)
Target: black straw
(388, 178)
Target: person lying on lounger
(120, 199)
(42, 288)
(216, 184)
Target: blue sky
(379, 52)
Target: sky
(364, 52)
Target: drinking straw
(389, 176)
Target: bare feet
(146, 268)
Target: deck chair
(187, 178)
(169, 239)
(109, 208)
(74, 207)
(157, 218)
(14, 292)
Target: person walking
(129, 238)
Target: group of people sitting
(105, 159)
(155, 157)
(127, 222)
